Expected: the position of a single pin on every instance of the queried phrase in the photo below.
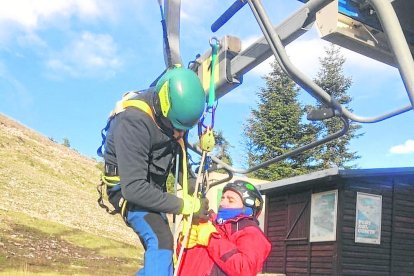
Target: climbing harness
(110, 189)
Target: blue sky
(64, 64)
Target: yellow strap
(118, 106)
(188, 219)
(124, 210)
(141, 105)
(110, 180)
(185, 222)
(185, 176)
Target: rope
(187, 219)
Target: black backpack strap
(243, 223)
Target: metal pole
(172, 8)
(300, 78)
(293, 152)
(398, 43)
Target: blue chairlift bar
(347, 9)
(361, 12)
(234, 8)
(351, 8)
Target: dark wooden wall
(362, 258)
(276, 229)
(287, 227)
(402, 250)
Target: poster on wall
(323, 216)
(368, 218)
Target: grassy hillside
(48, 203)
(30, 246)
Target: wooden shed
(341, 222)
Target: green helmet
(181, 97)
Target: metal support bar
(228, 178)
(289, 30)
(300, 78)
(172, 11)
(230, 46)
(293, 152)
(293, 27)
(398, 43)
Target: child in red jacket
(231, 243)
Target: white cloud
(406, 148)
(302, 53)
(370, 77)
(28, 14)
(22, 20)
(305, 53)
(89, 54)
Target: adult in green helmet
(181, 97)
(142, 142)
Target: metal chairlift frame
(230, 170)
(274, 41)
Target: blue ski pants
(156, 237)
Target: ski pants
(156, 237)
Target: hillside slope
(49, 181)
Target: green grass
(36, 175)
(104, 247)
(46, 227)
(31, 246)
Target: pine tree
(221, 149)
(331, 78)
(66, 142)
(275, 127)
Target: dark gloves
(203, 213)
(198, 206)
